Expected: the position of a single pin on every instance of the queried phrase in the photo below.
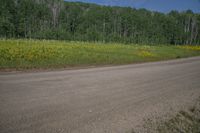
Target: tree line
(60, 20)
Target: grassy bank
(29, 54)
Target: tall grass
(28, 54)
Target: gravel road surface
(96, 100)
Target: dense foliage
(56, 19)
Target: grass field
(31, 54)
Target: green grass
(30, 54)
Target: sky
(154, 5)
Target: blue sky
(155, 5)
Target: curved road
(96, 100)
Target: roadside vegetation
(30, 54)
(185, 121)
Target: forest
(76, 21)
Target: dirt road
(96, 100)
